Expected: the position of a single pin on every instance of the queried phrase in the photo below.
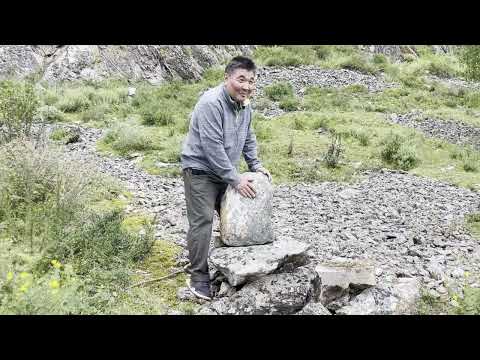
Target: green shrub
(334, 152)
(322, 51)
(75, 100)
(94, 113)
(279, 90)
(470, 58)
(289, 104)
(125, 138)
(362, 137)
(398, 153)
(358, 63)
(441, 68)
(262, 104)
(153, 114)
(18, 105)
(472, 100)
(49, 114)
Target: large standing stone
(339, 275)
(246, 263)
(275, 294)
(245, 221)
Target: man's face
(240, 84)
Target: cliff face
(154, 63)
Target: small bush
(49, 114)
(358, 63)
(441, 68)
(299, 123)
(470, 58)
(279, 90)
(399, 154)
(472, 100)
(320, 123)
(74, 100)
(334, 152)
(18, 105)
(470, 164)
(154, 115)
(289, 104)
(94, 113)
(125, 138)
(263, 104)
(362, 137)
(322, 51)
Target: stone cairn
(255, 272)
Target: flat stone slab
(247, 263)
(245, 221)
(339, 275)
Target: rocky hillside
(154, 63)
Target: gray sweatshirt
(220, 131)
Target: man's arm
(211, 137)
(250, 150)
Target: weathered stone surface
(226, 290)
(245, 221)
(314, 308)
(246, 263)
(275, 294)
(154, 63)
(390, 299)
(337, 276)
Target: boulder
(339, 275)
(275, 294)
(247, 263)
(397, 298)
(245, 221)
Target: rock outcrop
(153, 63)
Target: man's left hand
(265, 172)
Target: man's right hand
(245, 188)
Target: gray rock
(275, 294)
(154, 63)
(435, 271)
(226, 290)
(391, 299)
(245, 221)
(246, 263)
(314, 308)
(338, 275)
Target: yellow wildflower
(24, 275)
(56, 264)
(9, 276)
(24, 287)
(54, 284)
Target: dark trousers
(203, 194)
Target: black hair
(240, 62)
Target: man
(220, 131)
